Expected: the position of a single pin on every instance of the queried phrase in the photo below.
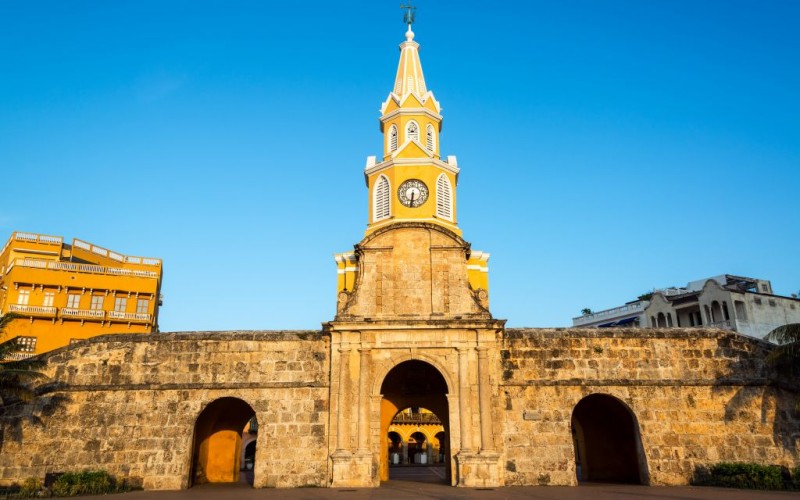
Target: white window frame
(49, 298)
(393, 137)
(430, 138)
(97, 303)
(23, 296)
(74, 301)
(120, 304)
(142, 306)
(26, 344)
(381, 200)
(444, 197)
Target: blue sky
(606, 147)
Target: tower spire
(409, 72)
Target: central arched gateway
(216, 455)
(413, 384)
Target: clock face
(412, 193)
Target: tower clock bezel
(413, 193)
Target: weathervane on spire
(408, 17)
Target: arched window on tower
(380, 199)
(393, 139)
(444, 198)
(412, 131)
(430, 138)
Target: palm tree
(785, 358)
(17, 378)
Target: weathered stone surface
(129, 404)
(699, 396)
(412, 270)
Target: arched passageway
(217, 451)
(417, 448)
(249, 455)
(413, 385)
(395, 443)
(441, 445)
(607, 442)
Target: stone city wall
(699, 397)
(128, 404)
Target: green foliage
(586, 311)
(30, 487)
(786, 356)
(17, 378)
(69, 484)
(743, 475)
(86, 482)
(645, 296)
(9, 491)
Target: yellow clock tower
(412, 184)
(412, 327)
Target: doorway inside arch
(219, 432)
(607, 443)
(415, 424)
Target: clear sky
(606, 147)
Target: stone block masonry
(128, 404)
(524, 406)
(697, 396)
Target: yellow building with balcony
(63, 293)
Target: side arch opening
(217, 453)
(608, 446)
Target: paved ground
(428, 482)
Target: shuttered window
(444, 198)
(381, 196)
(429, 139)
(393, 139)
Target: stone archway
(413, 383)
(216, 454)
(442, 445)
(417, 445)
(607, 442)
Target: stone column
(342, 441)
(484, 400)
(404, 457)
(363, 402)
(463, 397)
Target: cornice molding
(400, 100)
(443, 226)
(397, 162)
(410, 111)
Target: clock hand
(412, 199)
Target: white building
(744, 305)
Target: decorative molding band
(394, 162)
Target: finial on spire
(408, 17)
